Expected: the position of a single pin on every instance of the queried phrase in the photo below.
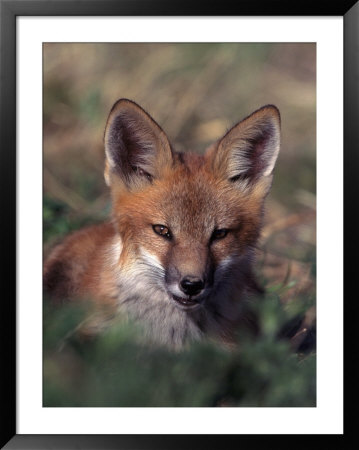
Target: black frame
(9, 10)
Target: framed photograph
(101, 104)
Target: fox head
(185, 220)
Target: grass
(118, 369)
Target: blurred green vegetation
(118, 369)
(195, 92)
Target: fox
(177, 252)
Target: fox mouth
(186, 303)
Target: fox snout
(192, 285)
(189, 284)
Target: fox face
(187, 224)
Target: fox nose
(191, 286)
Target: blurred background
(196, 92)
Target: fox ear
(249, 150)
(137, 149)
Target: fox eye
(219, 234)
(142, 173)
(162, 231)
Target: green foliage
(118, 369)
(59, 220)
(54, 218)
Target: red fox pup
(177, 254)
